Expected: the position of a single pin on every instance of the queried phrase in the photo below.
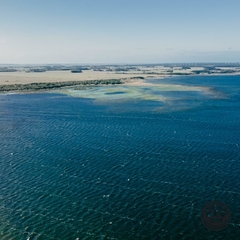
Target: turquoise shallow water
(136, 168)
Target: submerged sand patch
(166, 96)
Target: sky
(119, 32)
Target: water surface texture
(125, 163)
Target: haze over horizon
(111, 32)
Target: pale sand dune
(63, 76)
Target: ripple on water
(72, 169)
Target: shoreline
(39, 86)
(39, 82)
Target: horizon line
(139, 64)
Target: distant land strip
(54, 85)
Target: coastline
(22, 81)
(25, 82)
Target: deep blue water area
(71, 168)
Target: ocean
(119, 162)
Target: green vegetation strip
(52, 85)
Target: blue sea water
(74, 168)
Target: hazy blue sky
(119, 31)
